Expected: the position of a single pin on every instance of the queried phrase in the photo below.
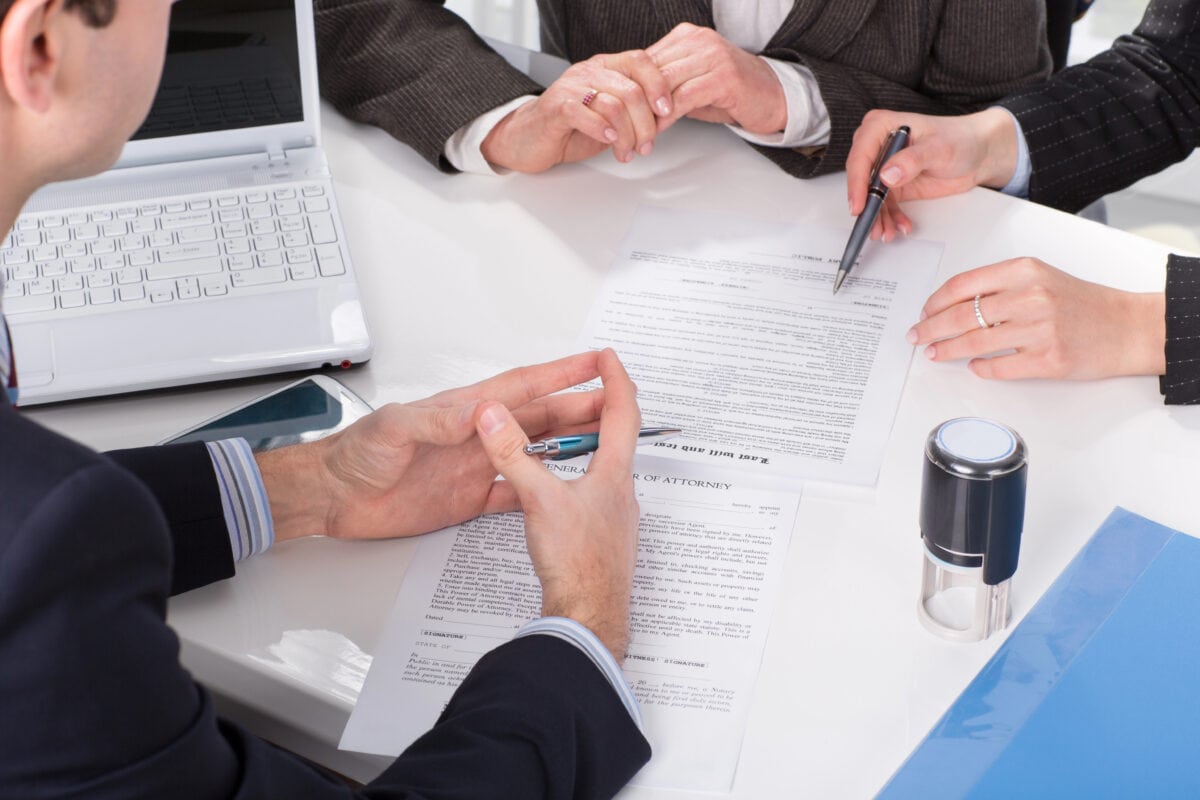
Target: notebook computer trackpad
(180, 343)
(33, 348)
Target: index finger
(522, 385)
(620, 420)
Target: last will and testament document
(730, 328)
(710, 559)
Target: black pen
(876, 194)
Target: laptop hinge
(275, 154)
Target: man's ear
(29, 52)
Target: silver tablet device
(304, 411)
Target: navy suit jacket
(94, 703)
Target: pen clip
(883, 154)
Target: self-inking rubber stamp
(972, 514)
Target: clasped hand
(624, 100)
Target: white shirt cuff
(571, 631)
(1018, 184)
(807, 118)
(464, 148)
(243, 498)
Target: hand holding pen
(945, 156)
(582, 534)
(877, 192)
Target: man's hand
(417, 467)
(581, 534)
(713, 80)
(945, 155)
(1059, 326)
(626, 95)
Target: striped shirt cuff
(243, 498)
(571, 631)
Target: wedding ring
(983, 323)
(589, 97)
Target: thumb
(906, 166)
(504, 442)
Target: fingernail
(850, 206)
(911, 336)
(890, 175)
(931, 352)
(923, 314)
(491, 420)
(887, 236)
(468, 412)
(628, 157)
(610, 134)
(646, 148)
(663, 106)
(905, 228)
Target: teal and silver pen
(559, 448)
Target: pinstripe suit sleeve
(412, 68)
(977, 53)
(1181, 383)
(1127, 113)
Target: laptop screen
(230, 64)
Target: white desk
(466, 276)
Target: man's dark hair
(96, 13)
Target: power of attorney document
(730, 328)
(710, 561)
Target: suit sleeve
(978, 53)
(412, 68)
(182, 479)
(95, 702)
(97, 705)
(534, 719)
(1181, 383)
(1125, 114)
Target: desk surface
(850, 681)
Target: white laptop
(213, 249)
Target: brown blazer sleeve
(412, 68)
(1127, 113)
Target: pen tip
(837, 281)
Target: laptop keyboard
(170, 250)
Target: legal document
(710, 557)
(731, 330)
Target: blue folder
(1095, 694)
